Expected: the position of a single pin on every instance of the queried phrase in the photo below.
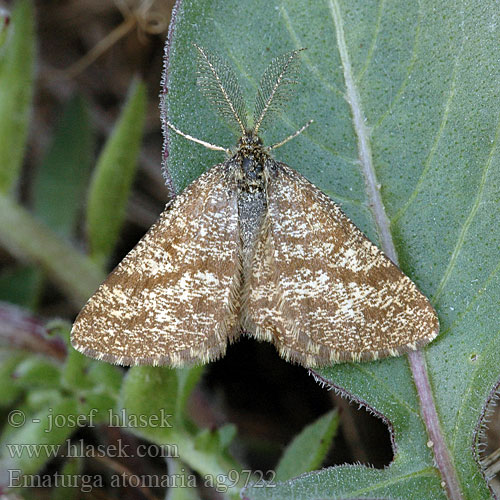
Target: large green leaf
(407, 91)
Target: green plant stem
(27, 238)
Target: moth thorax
(251, 157)
(252, 178)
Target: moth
(252, 247)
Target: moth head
(250, 138)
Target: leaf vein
(376, 33)
(402, 87)
(361, 130)
(312, 67)
(475, 206)
(432, 151)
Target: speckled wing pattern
(174, 298)
(321, 291)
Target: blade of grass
(16, 92)
(308, 449)
(113, 176)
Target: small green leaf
(36, 371)
(74, 372)
(206, 440)
(226, 435)
(203, 454)
(113, 176)
(105, 377)
(215, 441)
(187, 379)
(308, 449)
(105, 382)
(42, 398)
(149, 394)
(62, 177)
(100, 408)
(72, 468)
(16, 91)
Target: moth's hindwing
(321, 291)
(174, 299)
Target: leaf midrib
(364, 148)
(441, 451)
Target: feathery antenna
(218, 83)
(276, 86)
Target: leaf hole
(271, 401)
